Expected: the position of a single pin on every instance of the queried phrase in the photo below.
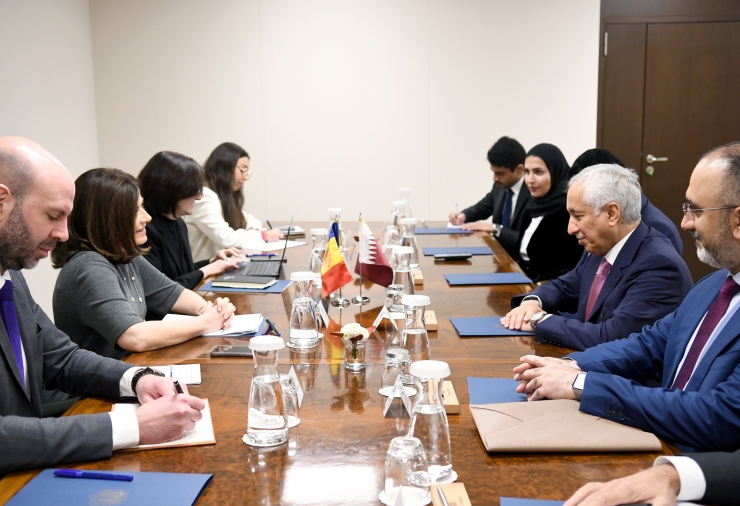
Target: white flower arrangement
(352, 331)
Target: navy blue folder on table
(487, 278)
(441, 230)
(473, 250)
(162, 489)
(511, 501)
(278, 287)
(493, 390)
(486, 326)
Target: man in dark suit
(694, 352)
(36, 195)
(629, 276)
(709, 478)
(508, 200)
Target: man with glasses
(693, 353)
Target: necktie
(716, 311)
(7, 311)
(593, 294)
(506, 217)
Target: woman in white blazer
(219, 220)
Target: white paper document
(186, 373)
(450, 225)
(241, 324)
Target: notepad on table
(278, 287)
(441, 231)
(473, 250)
(202, 434)
(185, 373)
(487, 278)
(493, 390)
(486, 326)
(241, 324)
(178, 489)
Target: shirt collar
(5, 276)
(516, 187)
(613, 253)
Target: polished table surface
(336, 454)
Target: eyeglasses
(244, 170)
(691, 212)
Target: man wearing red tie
(694, 352)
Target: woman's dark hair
(167, 179)
(219, 177)
(102, 218)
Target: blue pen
(74, 473)
(273, 327)
(268, 224)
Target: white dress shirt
(527, 236)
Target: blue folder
(473, 250)
(441, 231)
(278, 287)
(147, 488)
(487, 278)
(487, 326)
(511, 501)
(493, 390)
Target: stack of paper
(186, 373)
(241, 325)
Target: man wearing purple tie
(36, 195)
(629, 276)
(694, 352)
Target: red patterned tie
(716, 311)
(601, 275)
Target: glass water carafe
(406, 195)
(319, 236)
(415, 337)
(402, 274)
(429, 420)
(391, 226)
(267, 423)
(408, 238)
(304, 329)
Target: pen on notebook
(178, 387)
(268, 224)
(74, 473)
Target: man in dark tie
(36, 195)
(630, 275)
(693, 353)
(508, 200)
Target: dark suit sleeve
(156, 247)
(722, 475)
(480, 211)
(558, 295)
(509, 240)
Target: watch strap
(140, 374)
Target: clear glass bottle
(319, 236)
(267, 423)
(391, 226)
(415, 336)
(406, 195)
(304, 329)
(290, 399)
(408, 238)
(429, 420)
(402, 274)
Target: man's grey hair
(16, 174)
(730, 187)
(606, 183)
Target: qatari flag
(371, 259)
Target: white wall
(46, 92)
(339, 103)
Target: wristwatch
(535, 319)
(140, 374)
(497, 229)
(578, 385)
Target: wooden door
(691, 104)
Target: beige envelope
(555, 426)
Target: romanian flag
(334, 272)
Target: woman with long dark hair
(170, 184)
(219, 219)
(105, 287)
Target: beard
(719, 250)
(17, 245)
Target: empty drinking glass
(397, 362)
(408, 238)
(402, 274)
(290, 399)
(406, 472)
(319, 236)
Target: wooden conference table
(336, 454)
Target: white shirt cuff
(544, 318)
(125, 428)
(124, 386)
(533, 297)
(693, 484)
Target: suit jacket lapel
(587, 279)
(27, 327)
(521, 201)
(728, 334)
(499, 199)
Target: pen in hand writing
(268, 224)
(178, 387)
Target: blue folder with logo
(511, 501)
(486, 326)
(473, 250)
(278, 287)
(487, 278)
(493, 390)
(176, 489)
(441, 230)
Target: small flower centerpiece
(354, 336)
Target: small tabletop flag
(371, 262)
(334, 272)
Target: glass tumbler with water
(290, 399)
(402, 274)
(397, 363)
(429, 420)
(320, 237)
(408, 238)
(304, 330)
(406, 472)
(267, 423)
(415, 337)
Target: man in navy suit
(694, 352)
(629, 276)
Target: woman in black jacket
(170, 184)
(546, 248)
